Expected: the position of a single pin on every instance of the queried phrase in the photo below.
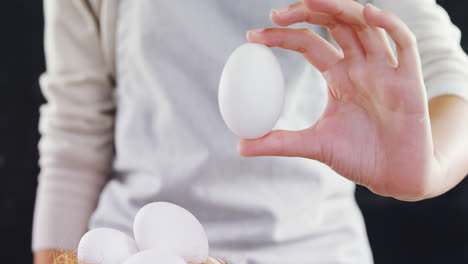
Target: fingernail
(373, 7)
(280, 10)
(255, 30)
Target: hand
(47, 256)
(375, 129)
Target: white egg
(154, 257)
(251, 91)
(105, 246)
(171, 229)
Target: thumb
(302, 143)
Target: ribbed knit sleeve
(444, 63)
(76, 124)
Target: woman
(171, 144)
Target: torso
(172, 144)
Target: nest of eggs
(71, 258)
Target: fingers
(359, 31)
(408, 56)
(297, 13)
(373, 39)
(334, 14)
(344, 34)
(346, 10)
(281, 143)
(314, 48)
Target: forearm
(449, 123)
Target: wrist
(437, 177)
(427, 183)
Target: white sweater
(77, 123)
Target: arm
(377, 129)
(76, 126)
(445, 71)
(449, 122)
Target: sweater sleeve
(444, 63)
(76, 125)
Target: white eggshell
(154, 257)
(171, 229)
(105, 246)
(251, 91)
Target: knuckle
(268, 30)
(300, 49)
(390, 15)
(339, 11)
(295, 5)
(412, 41)
(330, 24)
(305, 31)
(278, 146)
(402, 29)
(408, 39)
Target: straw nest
(70, 258)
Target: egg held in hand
(251, 91)
(172, 230)
(105, 246)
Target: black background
(431, 231)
